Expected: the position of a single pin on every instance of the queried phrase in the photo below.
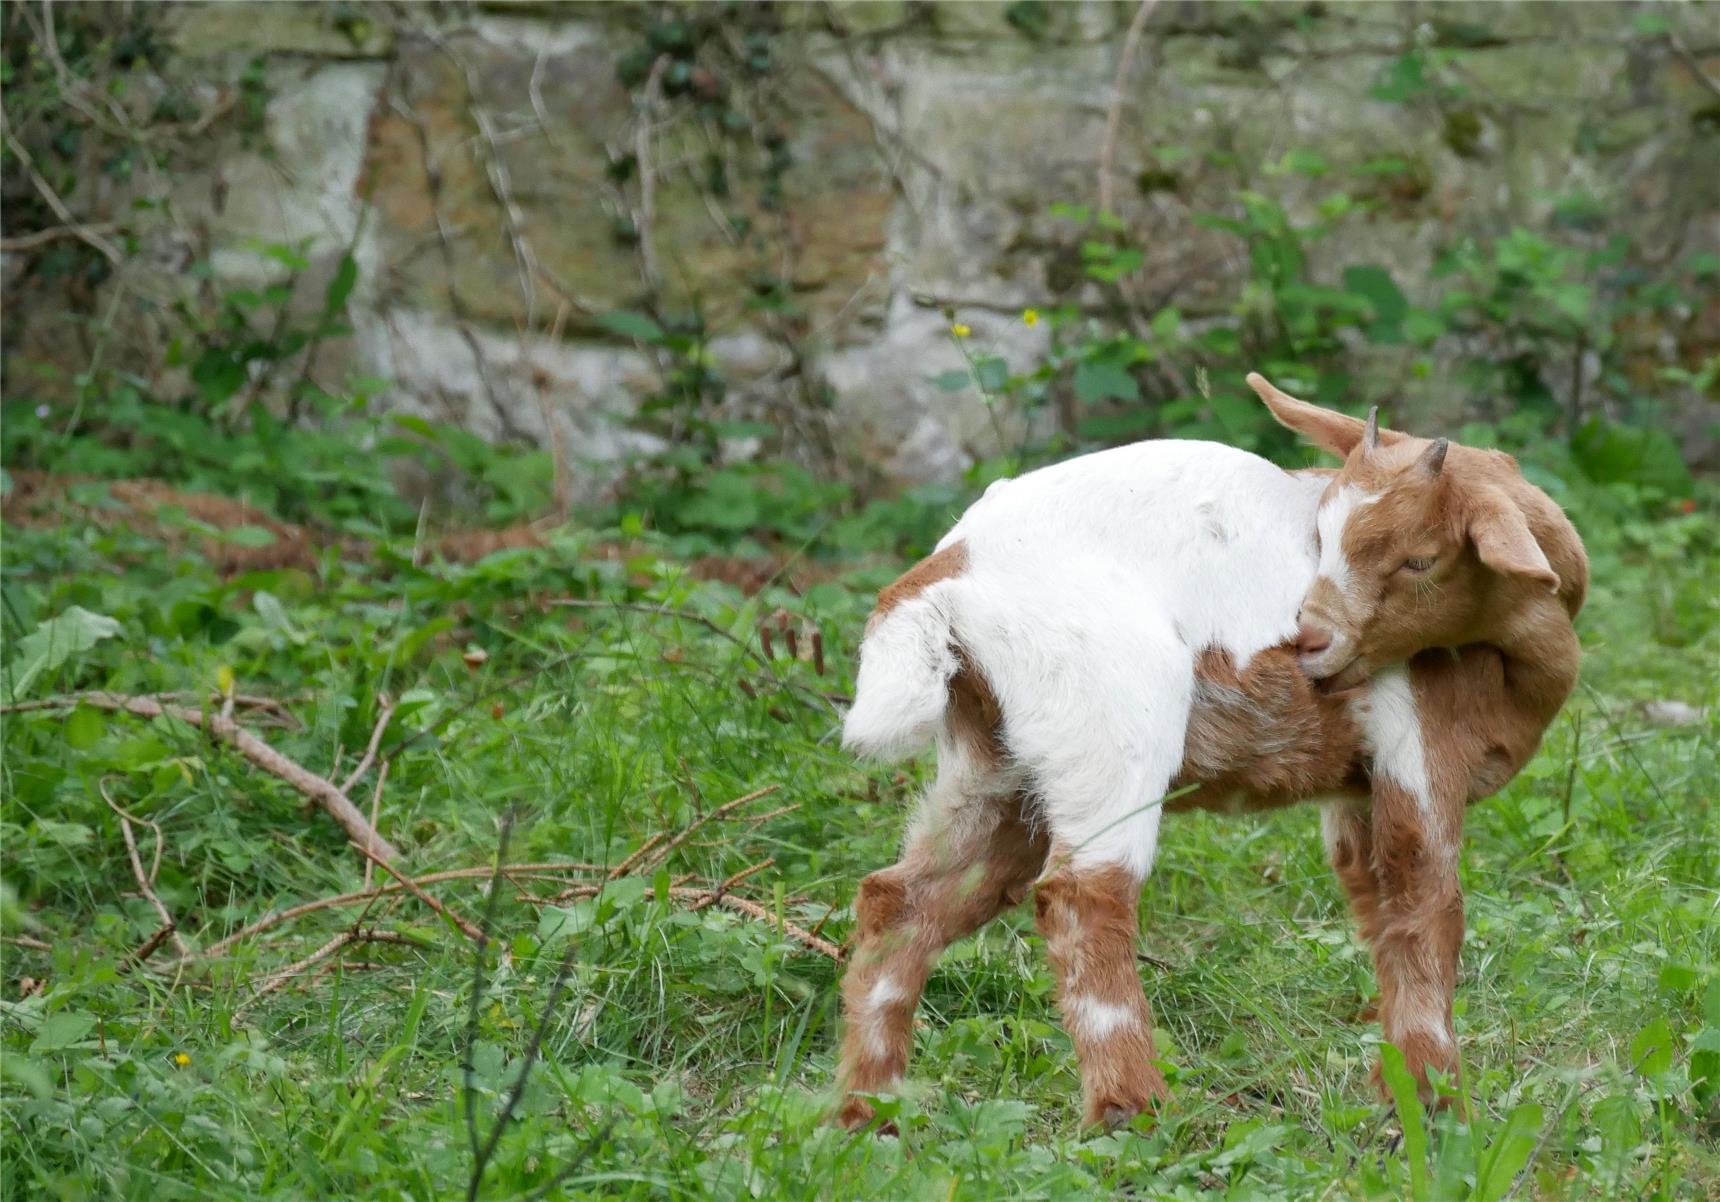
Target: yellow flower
(181, 1059)
(1030, 317)
(960, 330)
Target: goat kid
(1092, 636)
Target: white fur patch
(885, 992)
(1090, 588)
(1421, 1014)
(1095, 1019)
(1391, 731)
(1334, 515)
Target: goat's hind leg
(969, 858)
(1087, 914)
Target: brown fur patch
(973, 714)
(940, 565)
(1263, 737)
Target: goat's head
(1423, 543)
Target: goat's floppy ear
(1503, 540)
(1330, 431)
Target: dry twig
(1114, 114)
(385, 711)
(721, 811)
(82, 231)
(145, 881)
(471, 932)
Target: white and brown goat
(1173, 625)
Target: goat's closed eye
(1418, 563)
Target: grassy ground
(687, 1052)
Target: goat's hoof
(1420, 1054)
(1115, 1112)
(856, 1114)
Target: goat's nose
(1311, 640)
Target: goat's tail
(906, 661)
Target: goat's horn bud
(1433, 458)
(1371, 432)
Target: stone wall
(824, 184)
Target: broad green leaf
(631, 324)
(1651, 1050)
(341, 285)
(56, 641)
(1411, 1115)
(1509, 1152)
(20, 1070)
(993, 373)
(248, 536)
(84, 726)
(62, 1030)
(1098, 380)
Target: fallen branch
(273, 705)
(324, 793)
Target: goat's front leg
(953, 879)
(1420, 787)
(1088, 918)
(1420, 927)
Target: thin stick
(647, 173)
(622, 868)
(471, 932)
(292, 970)
(469, 1041)
(1114, 114)
(375, 811)
(146, 950)
(662, 612)
(731, 882)
(270, 921)
(82, 231)
(668, 848)
(333, 800)
(34, 944)
(54, 233)
(385, 711)
(800, 935)
(760, 819)
(143, 879)
(741, 905)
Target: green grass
(691, 1053)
